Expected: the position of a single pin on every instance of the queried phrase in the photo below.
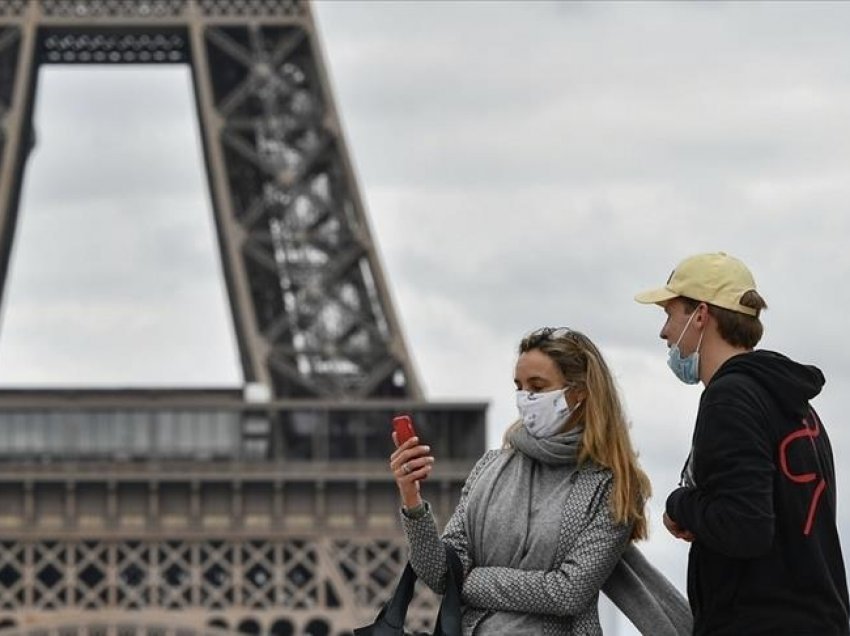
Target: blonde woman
(543, 522)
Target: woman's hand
(410, 462)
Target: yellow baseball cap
(715, 278)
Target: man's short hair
(739, 330)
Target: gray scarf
(647, 598)
(558, 450)
(639, 590)
(498, 517)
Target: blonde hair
(605, 439)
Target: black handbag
(390, 620)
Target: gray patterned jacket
(589, 546)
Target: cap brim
(655, 296)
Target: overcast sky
(523, 164)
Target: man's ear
(702, 314)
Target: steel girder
(311, 307)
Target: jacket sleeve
(730, 510)
(566, 590)
(427, 551)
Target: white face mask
(544, 414)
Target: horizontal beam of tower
(153, 12)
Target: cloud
(134, 126)
(115, 278)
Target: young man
(758, 494)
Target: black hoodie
(760, 501)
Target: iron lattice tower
(267, 510)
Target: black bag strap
(448, 620)
(390, 620)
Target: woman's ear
(576, 396)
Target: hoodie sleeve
(730, 510)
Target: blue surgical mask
(686, 369)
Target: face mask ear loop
(685, 328)
(567, 388)
(699, 343)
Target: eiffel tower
(262, 509)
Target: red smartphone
(403, 427)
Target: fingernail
(427, 448)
